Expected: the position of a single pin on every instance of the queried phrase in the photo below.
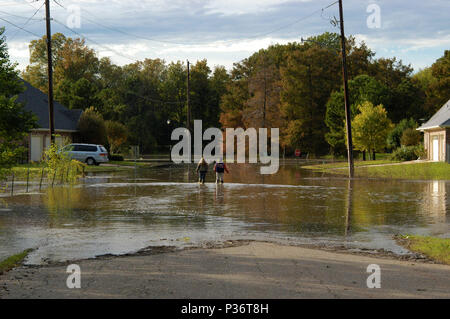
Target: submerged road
(256, 270)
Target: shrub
(394, 137)
(408, 153)
(116, 133)
(411, 137)
(116, 157)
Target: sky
(227, 31)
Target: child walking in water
(220, 168)
(202, 169)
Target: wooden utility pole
(50, 73)
(346, 95)
(188, 115)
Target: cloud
(227, 31)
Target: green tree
(435, 82)
(92, 127)
(15, 122)
(363, 88)
(441, 72)
(370, 128)
(117, 134)
(309, 77)
(394, 137)
(411, 137)
(36, 72)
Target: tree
(15, 122)
(441, 72)
(218, 85)
(363, 88)
(370, 128)
(394, 137)
(411, 137)
(435, 83)
(117, 134)
(76, 70)
(92, 127)
(308, 78)
(36, 72)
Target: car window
(77, 148)
(103, 149)
(68, 148)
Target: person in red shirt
(220, 168)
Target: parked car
(87, 153)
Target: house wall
(447, 145)
(443, 140)
(39, 141)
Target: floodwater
(122, 212)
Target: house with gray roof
(66, 121)
(437, 135)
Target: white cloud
(219, 30)
(239, 7)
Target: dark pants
(202, 177)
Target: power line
(179, 43)
(17, 16)
(95, 42)
(295, 22)
(36, 35)
(26, 22)
(155, 100)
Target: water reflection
(349, 207)
(123, 212)
(435, 201)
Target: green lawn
(436, 171)
(13, 261)
(434, 248)
(342, 165)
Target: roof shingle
(36, 101)
(440, 119)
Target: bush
(394, 138)
(116, 158)
(408, 153)
(411, 137)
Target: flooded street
(121, 212)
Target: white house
(437, 135)
(66, 121)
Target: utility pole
(188, 116)
(346, 95)
(50, 73)
(265, 94)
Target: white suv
(87, 153)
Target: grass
(437, 249)
(427, 170)
(435, 171)
(342, 165)
(13, 261)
